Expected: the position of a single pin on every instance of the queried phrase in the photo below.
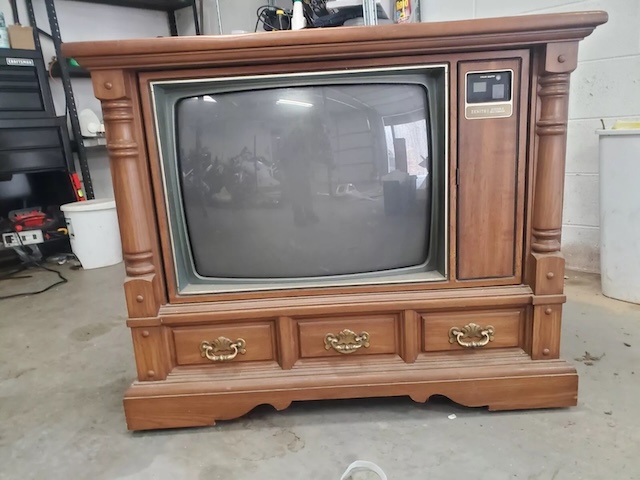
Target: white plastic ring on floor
(363, 466)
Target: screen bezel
(165, 95)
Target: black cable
(273, 28)
(59, 282)
(257, 23)
(35, 264)
(261, 13)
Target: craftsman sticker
(20, 62)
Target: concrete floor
(65, 360)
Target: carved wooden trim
(503, 383)
(117, 91)
(551, 129)
(546, 273)
(150, 345)
(546, 332)
(124, 153)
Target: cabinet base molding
(192, 397)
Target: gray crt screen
(306, 181)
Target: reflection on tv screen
(306, 182)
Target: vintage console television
(342, 213)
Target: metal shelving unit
(168, 6)
(68, 89)
(36, 162)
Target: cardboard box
(21, 37)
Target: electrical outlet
(28, 237)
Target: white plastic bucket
(620, 214)
(94, 233)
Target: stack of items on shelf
(335, 13)
(36, 161)
(16, 36)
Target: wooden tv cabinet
(486, 335)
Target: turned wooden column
(551, 129)
(143, 288)
(546, 264)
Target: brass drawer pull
(222, 349)
(470, 331)
(346, 341)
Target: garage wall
(235, 15)
(606, 85)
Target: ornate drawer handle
(346, 341)
(472, 330)
(222, 349)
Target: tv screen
(306, 181)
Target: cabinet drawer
(474, 330)
(371, 335)
(253, 341)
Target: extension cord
(27, 237)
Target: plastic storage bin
(620, 214)
(94, 233)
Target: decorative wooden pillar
(113, 88)
(143, 290)
(546, 264)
